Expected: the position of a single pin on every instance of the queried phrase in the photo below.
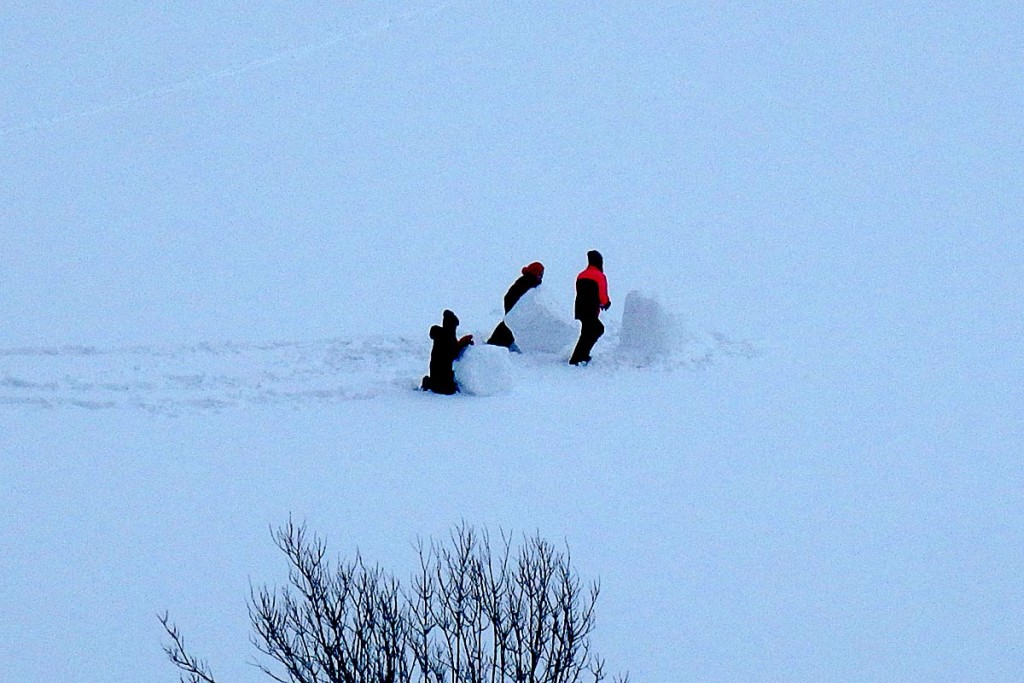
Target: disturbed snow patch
(213, 377)
(207, 377)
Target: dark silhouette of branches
(192, 670)
(343, 624)
(474, 613)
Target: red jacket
(584, 304)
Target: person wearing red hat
(532, 276)
(591, 299)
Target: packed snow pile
(536, 325)
(484, 370)
(647, 333)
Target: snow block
(647, 332)
(484, 370)
(536, 325)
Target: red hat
(535, 269)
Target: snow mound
(648, 333)
(484, 370)
(536, 325)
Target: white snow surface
(733, 498)
(226, 229)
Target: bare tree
(344, 624)
(472, 615)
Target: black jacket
(588, 299)
(520, 287)
(446, 349)
(502, 335)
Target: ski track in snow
(208, 377)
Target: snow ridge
(173, 380)
(176, 380)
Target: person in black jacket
(532, 276)
(446, 350)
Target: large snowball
(647, 332)
(536, 325)
(484, 370)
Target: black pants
(440, 385)
(502, 336)
(591, 330)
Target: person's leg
(444, 383)
(578, 353)
(502, 336)
(590, 332)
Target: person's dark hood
(449, 320)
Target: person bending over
(532, 276)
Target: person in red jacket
(591, 299)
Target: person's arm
(516, 291)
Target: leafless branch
(475, 613)
(193, 670)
